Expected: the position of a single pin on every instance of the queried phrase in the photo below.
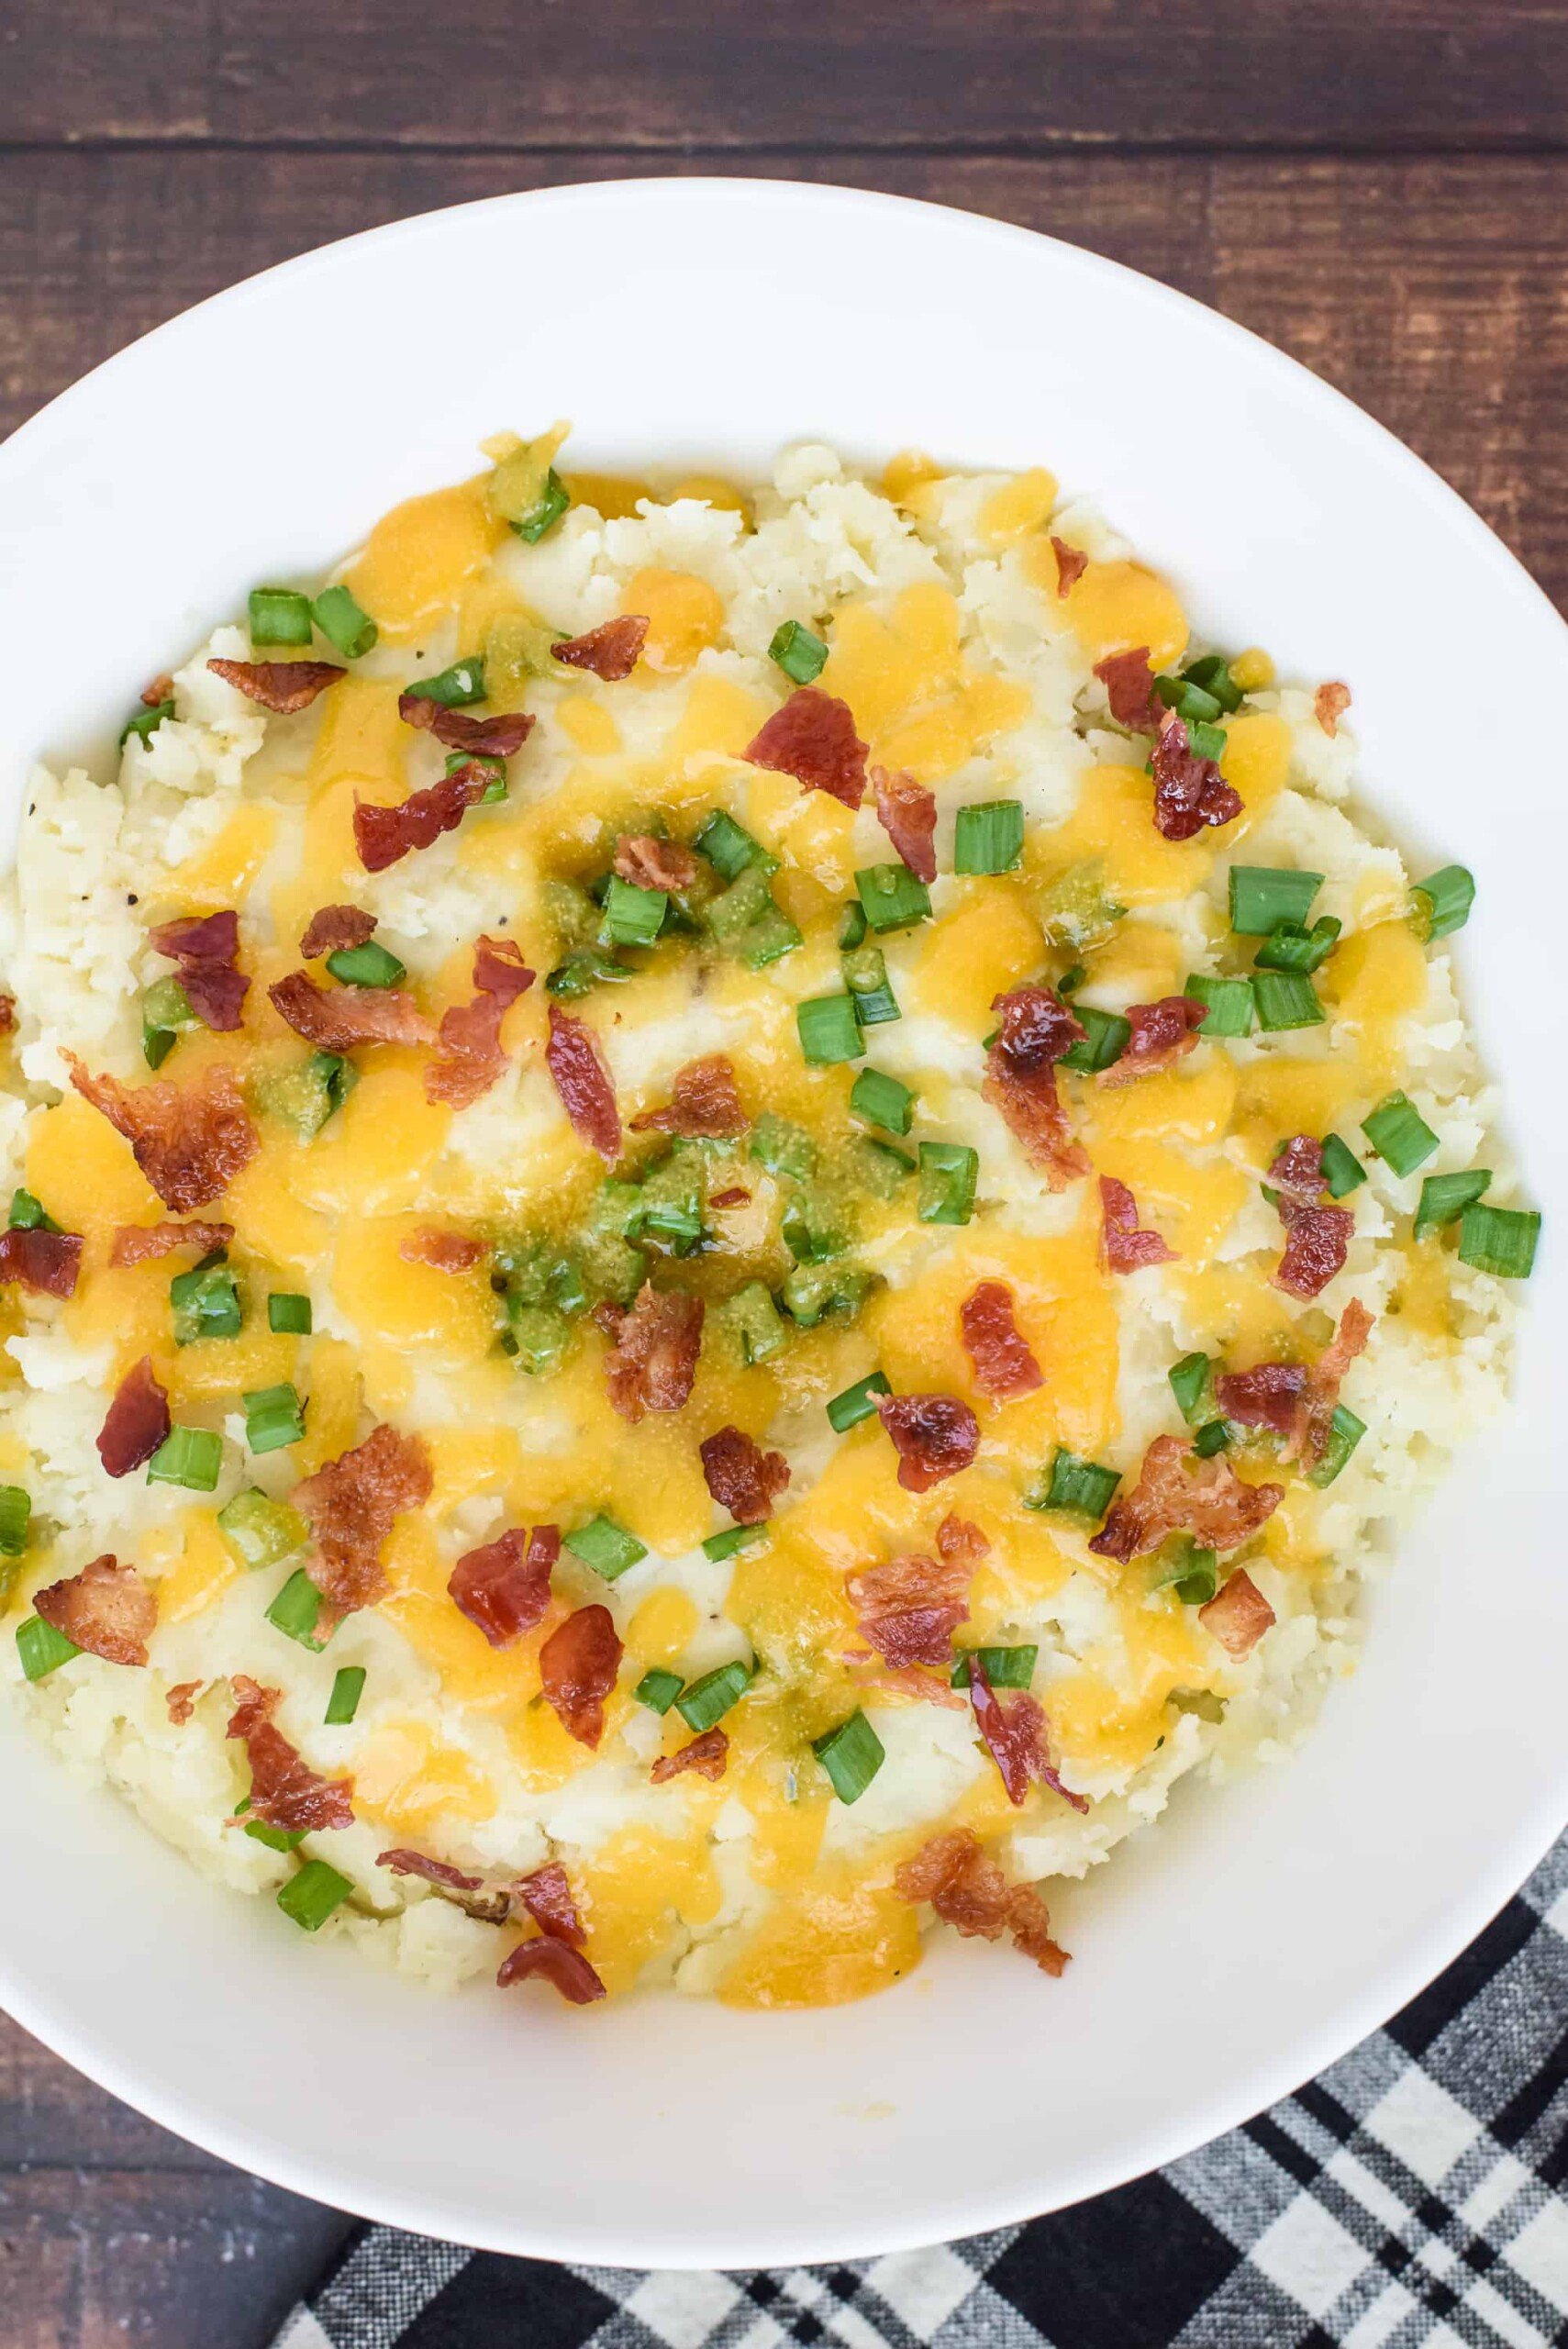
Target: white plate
(1267, 1925)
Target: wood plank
(670, 75)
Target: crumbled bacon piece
(285, 1792)
(706, 1754)
(141, 1243)
(1189, 792)
(1004, 1366)
(1267, 1396)
(653, 1357)
(1296, 1401)
(47, 1261)
(444, 1251)
(469, 1057)
(546, 1896)
(1013, 1735)
(908, 814)
(335, 1019)
(958, 1537)
(503, 1588)
(8, 1014)
(204, 947)
(501, 736)
(934, 1435)
(1123, 1246)
(812, 737)
(159, 688)
(1296, 1171)
(741, 1476)
(1323, 1380)
(181, 1701)
(284, 686)
(1071, 564)
(1238, 1615)
(1173, 1494)
(611, 651)
(735, 1196)
(1129, 681)
(577, 1666)
(189, 1143)
(1329, 703)
(106, 1608)
(566, 1970)
(1020, 1080)
(908, 1607)
(583, 1083)
(1317, 1242)
(383, 835)
(352, 1505)
(649, 863)
(406, 1863)
(1163, 1033)
(499, 968)
(332, 928)
(703, 1100)
(968, 1892)
(136, 1422)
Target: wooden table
(1381, 186)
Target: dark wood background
(1381, 186)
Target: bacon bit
(204, 949)
(499, 968)
(1317, 1240)
(653, 1358)
(483, 738)
(444, 1251)
(1020, 1080)
(968, 1892)
(583, 1083)
(1267, 1396)
(566, 1970)
(735, 1198)
(469, 1057)
(1004, 1366)
(934, 1435)
(383, 835)
(335, 1020)
(47, 1261)
(406, 1863)
(190, 1144)
(649, 863)
(706, 1754)
(136, 1422)
(1189, 792)
(908, 814)
(331, 927)
(1071, 564)
(1297, 1170)
(106, 1608)
(957, 1537)
(1239, 1615)
(1329, 703)
(611, 651)
(546, 1896)
(703, 1100)
(577, 1666)
(352, 1505)
(1163, 1033)
(182, 1701)
(8, 1014)
(160, 689)
(1123, 1247)
(909, 1607)
(741, 1476)
(1129, 681)
(1210, 1501)
(503, 1588)
(285, 1792)
(812, 737)
(1324, 1377)
(1015, 1738)
(140, 1243)
(284, 686)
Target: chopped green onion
(165, 1013)
(187, 1456)
(633, 916)
(260, 1531)
(1345, 1432)
(881, 1167)
(1211, 1438)
(41, 1648)
(606, 1547)
(294, 1609)
(851, 1754)
(848, 1409)
(343, 622)
(206, 1303)
(1399, 1134)
(1189, 699)
(988, 838)
(552, 504)
(157, 1044)
(1342, 1170)
(1229, 1001)
(1212, 676)
(28, 1213)
(799, 653)
(1194, 1571)
(1290, 947)
(891, 896)
(495, 790)
(657, 1689)
(310, 1897)
(348, 1688)
(369, 965)
(1262, 895)
(145, 723)
(289, 1313)
(1071, 981)
(783, 1147)
(828, 1029)
(306, 1095)
(852, 927)
(15, 1511)
(276, 1838)
(865, 976)
(1286, 999)
(719, 1546)
(708, 1700)
(1192, 1383)
(816, 1292)
(949, 1172)
(1441, 903)
(585, 969)
(752, 1321)
(1003, 1667)
(1444, 1198)
(883, 1101)
(1207, 1706)
(1204, 740)
(455, 687)
(729, 847)
(279, 615)
(1077, 1488)
(1103, 1040)
(274, 1416)
(670, 1203)
(538, 1336)
(1500, 1239)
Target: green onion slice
(1003, 1667)
(828, 1029)
(369, 965)
(1211, 1438)
(1500, 1239)
(1342, 1170)
(260, 1531)
(657, 1689)
(865, 976)
(188, 1456)
(455, 687)
(989, 838)
(1286, 999)
(1189, 699)
(852, 927)
(28, 1213)
(801, 655)
(883, 1101)
(289, 1313)
(633, 916)
(279, 615)
(15, 1514)
(1262, 895)
(144, 723)
(783, 1147)
(274, 1416)
(41, 1648)
(552, 504)
(1291, 947)
(276, 1838)
(1229, 1001)
(1441, 903)
(734, 1538)
(851, 1754)
(1104, 1042)
(343, 622)
(853, 1404)
(891, 896)
(948, 1173)
(1211, 674)
(708, 1700)
(348, 1688)
(729, 847)
(606, 1547)
(1444, 1198)
(1077, 1488)
(1192, 1383)
(294, 1609)
(310, 1897)
(1399, 1134)
(1345, 1432)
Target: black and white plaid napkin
(1413, 2194)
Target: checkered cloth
(1412, 2194)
